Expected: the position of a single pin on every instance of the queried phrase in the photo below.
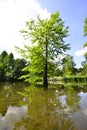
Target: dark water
(30, 108)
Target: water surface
(30, 108)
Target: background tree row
(10, 68)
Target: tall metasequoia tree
(47, 37)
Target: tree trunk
(45, 79)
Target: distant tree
(85, 27)
(84, 63)
(19, 64)
(84, 67)
(47, 37)
(8, 64)
(4, 54)
(2, 72)
(10, 68)
(68, 65)
(2, 67)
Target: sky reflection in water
(13, 114)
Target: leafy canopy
(47, 38)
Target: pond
(33, 108)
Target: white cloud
(7, 23)
(13, 15)
(81, 52)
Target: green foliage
(84, 70)
(85, 45)
(68, 65)
(84, 63)
(4, 54)
(47, 38)
(10, 68)
(19, 64)
(85, 27)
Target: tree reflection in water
(48, 110)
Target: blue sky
(14, 14)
